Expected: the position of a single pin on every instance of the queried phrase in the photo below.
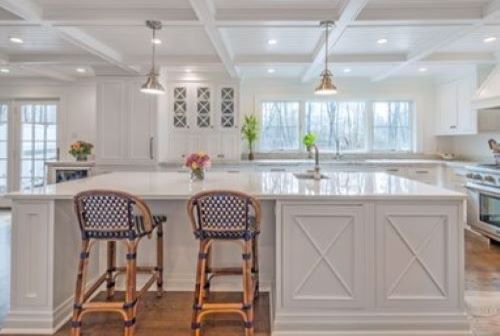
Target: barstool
(225, 216)
(113, 216)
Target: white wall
(77, 106)
(421, 91)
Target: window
(343, 123)
(354, 126)
(392, 126)
(280, 126)
(38, 142)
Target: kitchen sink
(308, 176)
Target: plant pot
(81, 157)
(309, 152)
(197, 175)
(251, 156)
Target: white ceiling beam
(32, 13)
(48, 59)
(272, 14)
(349, 14)
(49, 73)
(25, 9)
(117, 15)
(205, 11)
(490, 13)
(86, 42)
(421, 14)
(461, 58)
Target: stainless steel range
(483, 206)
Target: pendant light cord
(326, 48)
(154, 50)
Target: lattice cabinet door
(203, 107)
(180, 106)
(227, 107)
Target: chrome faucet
(317, 174)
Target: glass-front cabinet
(203, 117)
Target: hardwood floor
(171, 314)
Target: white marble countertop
(264, 185)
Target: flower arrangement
(198, 162)
(309, 141)
(81, 150)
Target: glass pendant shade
(152, 85)
(326, 86)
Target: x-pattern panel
(180, 107)
(227, 107)
(416, 253)
(203, 107)
(323, 258)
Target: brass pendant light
(152, 85)
(326, 86)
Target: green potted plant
(250, 132)
(309, 141)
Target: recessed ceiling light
(81, 70)
(5, 70)
(422, 70)
(382, 41)
(271, 70)
(189, 70)
(156, 41)
(347, 70)
(272, 42)
(17, 40)
(490, 39)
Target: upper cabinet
(126, 123)
(455, 115)
(203, 117)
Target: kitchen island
(353, 254)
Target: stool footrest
(223, 306)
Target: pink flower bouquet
(198, 162)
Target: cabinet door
(203, 108)
(227, 105)
(467, 117)
(179, 106)
(110, 121)
(141, 126)
(448, 110)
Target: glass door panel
(38, 142)
(4, 109)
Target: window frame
(369, 121)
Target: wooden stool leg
(76, 322)
(208, 269)
(198, 292)
(159, 260)
(110, 284)
(130, 305)
(255, 265)
(248, 290)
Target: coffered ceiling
(375, 39)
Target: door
(36, 142)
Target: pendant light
(152, 85)
(326, 86)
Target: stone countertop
(264, 185)
(301, 162)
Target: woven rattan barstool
(114, 217)
(225, 216)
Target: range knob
(469, 175)
(489, 179)
(477, 177)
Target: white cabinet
(126, 123)
(427, 175)
(203, 117)
(455, 114)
